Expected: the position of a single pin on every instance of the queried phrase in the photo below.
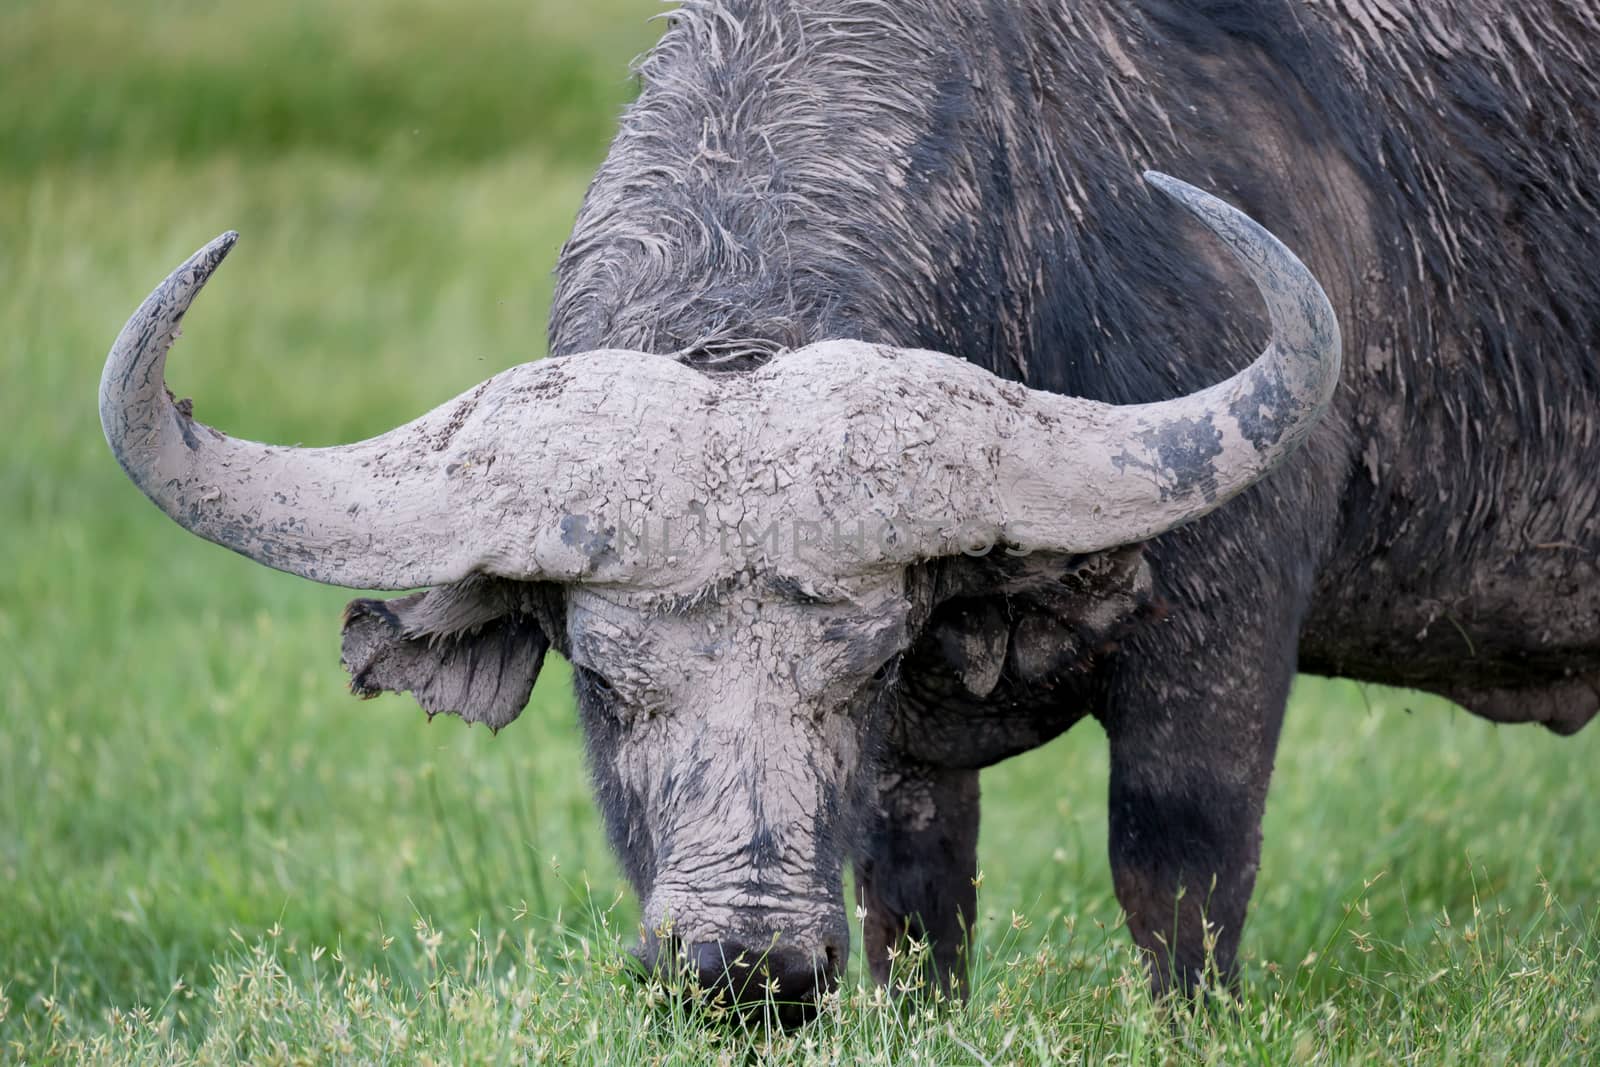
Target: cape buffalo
(922, 464)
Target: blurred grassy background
(180, 765)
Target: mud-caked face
(729, 739)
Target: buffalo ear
(1038, 616)
(471, 649)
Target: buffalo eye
(597, 684)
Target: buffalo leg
(1191, 757)
(916, 866)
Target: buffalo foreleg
(915, 873)
(1192, 740)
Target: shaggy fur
(961, 175)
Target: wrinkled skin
(728, 744)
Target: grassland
(209, 853)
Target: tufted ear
(472, 648)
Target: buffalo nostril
(726, 967)
(748, 975)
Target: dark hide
(962, 175)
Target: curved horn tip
(1173, 187)
(211, 256)
(1195, 199)
(164, 308)
(132, 390)
(203, 264)
(1301, 313)
(192, 276)
(223, 242)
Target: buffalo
(893, 427)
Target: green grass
(208, 852)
